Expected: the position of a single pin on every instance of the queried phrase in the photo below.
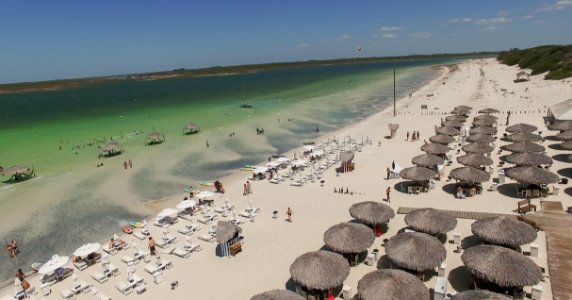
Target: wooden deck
(475, 215)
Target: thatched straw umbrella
(527, 159)
(524, 136)
(522, 147)
(521, 127)
(488, 111)
(415, 251)
(479, 148)
(349, 238)
(442, 139)
(320, 270)
(417, 174)
(456, 118)
(278, 295)
(460, 112)
(390, 284)
(191, 128)
(561, 125)
(17, 170)
(474, 160)
(484, 122)
(504, 231)
(155, 137)
(464, 107)
(469, 174)
(479, 295)
(483, 130)
(372, 213)
(225, 231)
(565, 135)
(448, 130)
(501, 266)
(481, 138)
(566, 145)
(430, 220)
(455, 124)
(427, 160)
(532, 175)
(110, 148)
(486, 117)
(433, 148)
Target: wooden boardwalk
(458, 213)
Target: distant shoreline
(55, 85)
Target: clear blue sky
(43, 40)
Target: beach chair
(99, 277)
(141, 235)
(182, 253)
(124, 288)
(111, 251)
(207, 238)
(206, 219)
(184, 215)
(113, 269)
(80, 265)
(100, 296)
(67, 294)
(165, 241)
(185, 230)
(192, 247)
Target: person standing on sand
(130, 164)
(125, 164)
(151, 246)
(407, 139)
(388, 173)
(248, 187)
(289, 212)
(208, 144)
(244, 190)
(387, 192)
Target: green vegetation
(218, 70)
(554, 59)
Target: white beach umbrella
(167, 212)
(51, 265)
(87, 249)
(186, 204)
(205, 195)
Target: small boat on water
(244, 104)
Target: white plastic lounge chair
(192, 247)
(99, 277)
(184, 215)
(67, 294)
(130, 260)
(111, 251)
(206, 237)
(140, 235)
(113, 269)
(182, 253)
(153, 268)
(80, 265)
(247, 214)
(101, 296)
(165, 241)
(124, 288)
(185, 230)
(206, 219)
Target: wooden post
(394, 113)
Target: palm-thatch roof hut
(278, 295)
(479, 295)
(455, 124)
(521, 127)
(442, 139)
(460, 112)
(18, 172)
(430, 221)
(456, 118)
(469, 174)
(532, 175)
(415, 251)
(488, 111)
(349, 238)
(501, 266)
(483, 130)
(154, 138)
(427, 160)
(417, 173)
(561, 125)
(480, 138)
(474, 160)
(527, 159)
(463, 107)
(111, 148)
(479, 148)
(448, 130)
(484, 122)
(486, 117)
(566, 145)
(372, 213)
(522, 147)
(504, 231)
(523, 136)
(226, 235)
(320, 270)
(390, 284)
(565, 135)
(433, 148)
(191, 128)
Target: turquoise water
(33, 126)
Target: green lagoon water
(33, 126)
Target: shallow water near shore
(71, 202)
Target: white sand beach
(272, 244)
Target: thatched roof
(488, 111)
(456, 118)
(463, 107)
(16, 170)
(532, 175)
(320, 270)
(110, 147)
(561, 125)
(501, 266)
(433, 148)
(522, 147)
(427, 160)
(461, 112)
(504, 231)
(479, 295)
(481, 138)
(521, 127)
(226, 231)
(479, 148)
(486, 117)
(442, 139)
(430, 220)
(393, 126)
(469, 174)
(483, 130)
(372, 213)
(565, 135)
(523, 136)
(474, 160)
(417, 173)
(448, 130)
(455, 124)
(527, 159)
(278, 295)
(566, 145)
(349, 238)
(484, 122)
(415, 251)
(155, 136)
(391, 284)
(191, 126)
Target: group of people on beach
(12, 249)
(259, 130)
(247, 188)
(218, 186)
(126, 163)
(414, 136)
